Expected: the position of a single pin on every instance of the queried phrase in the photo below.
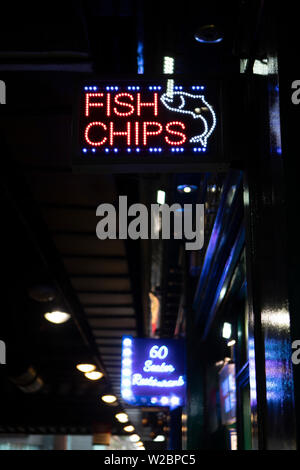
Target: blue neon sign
(153, 372)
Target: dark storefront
(107, 103)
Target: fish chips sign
(143, 122)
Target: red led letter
(112, 133)
(88, 104)
(183, 136)
(146, 132)
(140, 104)
(137, 139)
(122, 103)
(108, 104)
(86, 133)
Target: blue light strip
(126, 391)
(206, 41)
(151, 150)
(147, 149)
(140, 57)
(137, 88)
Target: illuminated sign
(153, 372)
(141, 121)
(228, 394)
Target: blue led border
(126, 369)
(138, 87)
(93, 150)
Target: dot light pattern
(126, 369)
(132, 119)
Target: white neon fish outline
(202, 138)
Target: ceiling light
(186, 188)
(219, 363)
(86, 367)
(208, 34)
(42, 293)
(260, 67)
(212, 188)
(109, 398)
(122, 417)
(161, 197)
(168, 65)
(231, 343)
(159, 438)
(94, 375)
(139, 444)
(129, 428)
(226, 332)
(57, 316)
(222, 293)
(134, 437)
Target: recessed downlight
(94, 375)
(86, 367)
(208, 34)
(134, 438)
(109, 398)
(227, 330)
(186, 188)
(57, 316)
(129, 428)
(160, 197)
(122, 417)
